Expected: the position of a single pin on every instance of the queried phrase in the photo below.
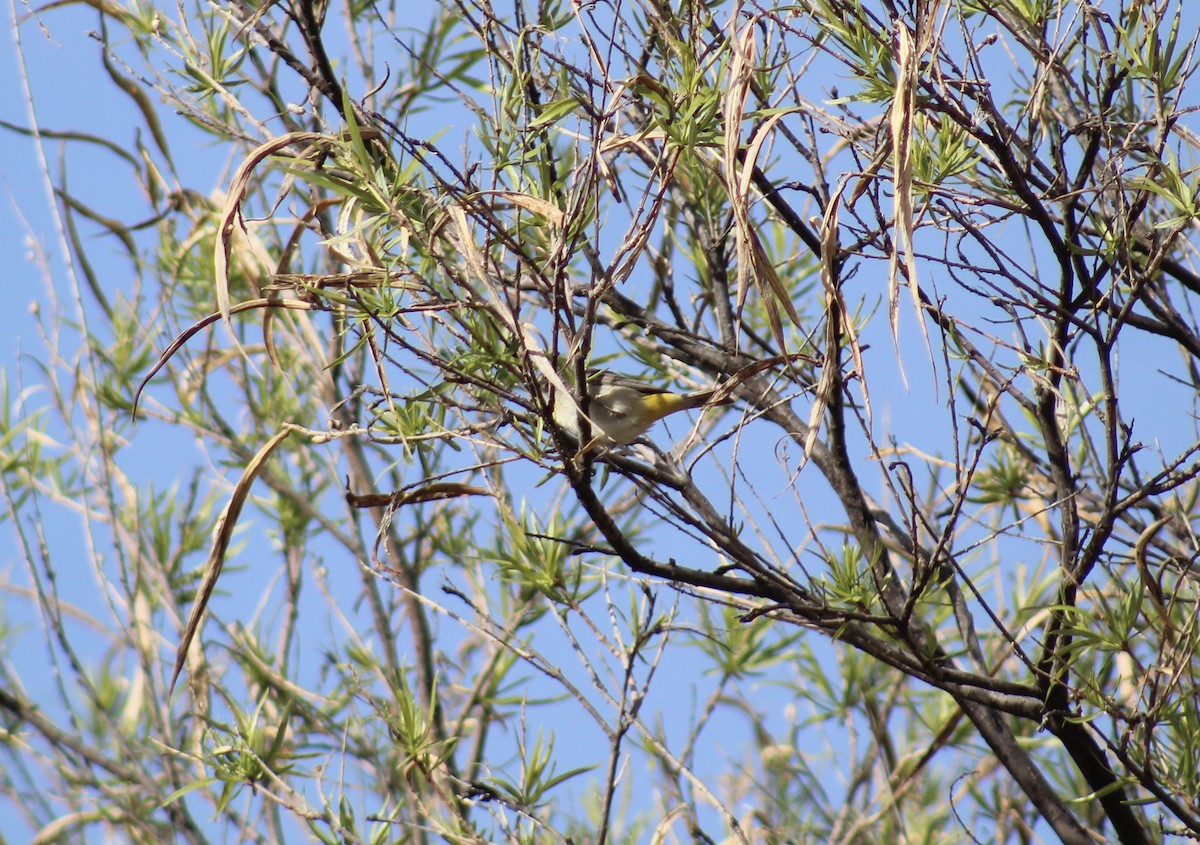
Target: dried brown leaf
(216, 558)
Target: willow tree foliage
(929, 577)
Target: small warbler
(621, 409)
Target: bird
(620, 409)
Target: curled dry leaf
(414, 495)
(216, 558)
(188, 333)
